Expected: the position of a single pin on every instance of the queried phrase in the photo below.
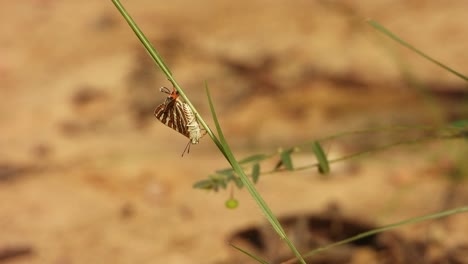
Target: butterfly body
(193, 127)
(179, 116)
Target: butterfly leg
(186, 149)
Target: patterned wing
(171, 113)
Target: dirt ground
(88, 175)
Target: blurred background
(88, 175)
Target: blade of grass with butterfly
(221, 143)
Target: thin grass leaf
(323, 165)
(257, 258)
(402, 42)
(253, 158)
(255, 172)
(222, 139)
(286, 160)
(224, 147)
(385, 228)
(143, 39)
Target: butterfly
(179, 116)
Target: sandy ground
(88, 175)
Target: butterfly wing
(171, 113)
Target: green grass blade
(151, 50)
(257, 258)
(402, 42)
(392, 226)
(224, 147)
(222, 139)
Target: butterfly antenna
(165, 90)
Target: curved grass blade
(151, 50)
(385, 228)
(224, 147)
(257, 258)
(402, 42)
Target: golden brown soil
(87, 175)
